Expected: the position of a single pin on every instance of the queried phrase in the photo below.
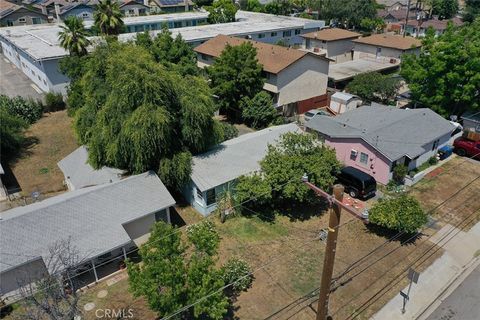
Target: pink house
(375, 139)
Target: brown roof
(273, 58)
(390, 41)
(5, 5)
(331, 34)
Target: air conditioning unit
(316, 49)
(392, 60)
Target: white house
(101, 223)
(296, 79)
(334, 42)
(216, 170)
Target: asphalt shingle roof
(331, 34)
(390, 41)
(81, 174)
(235, 157)
(393, 132)
(91, 217)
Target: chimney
(57, 11)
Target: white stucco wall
(360, 48)
(304, 79)
(338, 50)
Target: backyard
(50, 139)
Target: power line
(397, 278)
(389, 270)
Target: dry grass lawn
(52, 139)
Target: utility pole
(335, 209)
(336, 206)
(406, 19)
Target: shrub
(259, 111)
(204, 237)
(399, 173)
(54, 102)
(238, 271)
(229, 131)
(403, 213)
(433, 160)
(26, 109)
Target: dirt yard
(52, 138)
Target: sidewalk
(439, 278)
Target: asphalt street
(463, 303)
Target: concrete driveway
(14, 83)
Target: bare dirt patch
(52, 139)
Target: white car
(312, 113)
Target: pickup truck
(466, 147)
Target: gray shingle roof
(81, 174)
(235, 157)
(393, 132)
(91, 217)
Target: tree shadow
(24, 151)
(304, 211)
(402, 237)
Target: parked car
(466, 147)
(312, 113)
(357, 183)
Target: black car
(357, 183)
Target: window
(363, 158)
(199, 194)
(287, 33)
(261, 35)
(22, 20)
(273, 34)
(177, 24)
(131, 11)
(85, 15)
(211, 198)
(204, 57)
(36, 21)
(297, 31)
(353, 155)
(9, 23)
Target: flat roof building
(35, 49)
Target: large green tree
(471, 10)
(259, 111)
(12, 130)
(73, 36)
(374, 86)
(348, 13)
(170, 279)
(279, 7)
(445, 9)
(134, 113)
(222, 11)
(446, 75)
(108, 17)
(236, 74)
(175, 54)
(402, 213)
(284, 165)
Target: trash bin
(445, 152)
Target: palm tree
(108, 17)
(73, 36)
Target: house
(133, 8)
(471, 121)
(18, 15)
(79, 173)
(171, 6)
(341, 102)
(418, 28)
(386, 46)
(215, 171)
(375, 139)
(296, 79)
(393, 5)
(334, 42)
(101, 222)
(77, 9)
(393, 16)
